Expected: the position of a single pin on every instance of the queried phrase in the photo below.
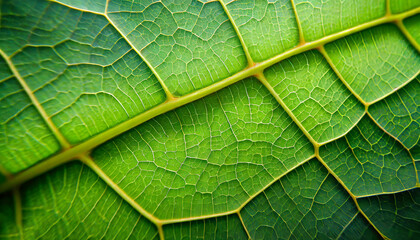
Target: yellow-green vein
(64, 143)
(95, 141)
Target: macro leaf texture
(209, 119)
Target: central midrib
(75, 152)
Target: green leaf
(274, 20)
(399, 116)
(413, 28)
(25, 138)
(369, 161)
(315, 95)
(190, 44)
(218, 228)
(176, 119)
(396, 215)
(212, 154)
(69, 210)
(366, 59)
(306, 203)
(322, 18)
(400, 6)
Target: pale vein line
(264, 81)
(388, 8)
(351, 195)
(367, 104)
(92, 165)
(18, 210)
(39, 169)
(321, 49)
(316, 145)
(169, 221)
(243, 225)
(386, 193)
(407, 35)
(162, 83)
(299, 25)
(395, 89)
(257, 69)
(160, 231)
(238, 33)
(345, 133)
(397, 140)
(164, 87)
(345, 227)
(35, 102)
(100, 138)
(160, 222)
(77, 9)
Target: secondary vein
(162, 83)
(88, 145)
(238, 33)
(63, 142)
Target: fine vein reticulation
(254, 147)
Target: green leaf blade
(209, 119)
(227, 227)
(196, 40)
(273, 22)
(399, 114)
(195, 154)
(85, 75)
(412, 27)
(25, 139)
(400, 6)
(319, 18)
(396, 215)
(75, 204)
(369, 161)
(375, 62)
(315, 95)
(305, 204)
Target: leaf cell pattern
(201, 154)
(308, 203)
(174, 119)
(24, 136)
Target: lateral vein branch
(397, 140)
(169, 95)
(86, 159)
(299, 25)
(74, 151)
(350, 194)
(260, 76)
(407, 35)
(324, 53)
(238, 33)
(18, 210)
(63, 142)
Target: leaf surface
(209, 119)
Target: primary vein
(77, 150)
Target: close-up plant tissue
(209, 119)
